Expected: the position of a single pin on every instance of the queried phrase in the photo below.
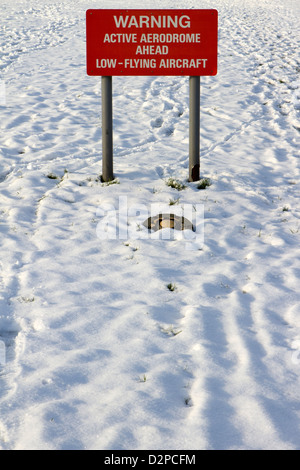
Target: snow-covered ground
(96, 351)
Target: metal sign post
(107, 130)
(194, 131)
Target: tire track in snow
(235, 335)
(244, 338)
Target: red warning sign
(152, 42)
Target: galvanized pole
(194, 144)
(107, 130)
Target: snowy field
(96, 351)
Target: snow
(99, 352)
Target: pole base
(195, 173)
